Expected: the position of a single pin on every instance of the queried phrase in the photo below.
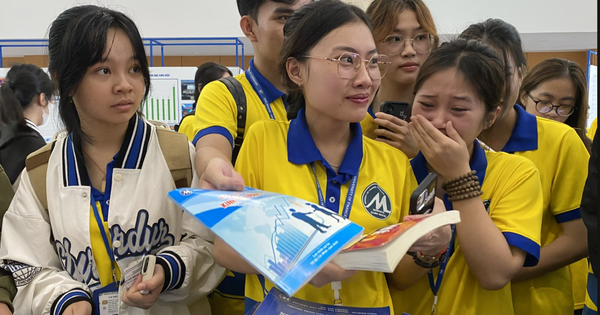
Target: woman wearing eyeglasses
(331, 69)
(556, 89)
(556, 285)
(405, 31)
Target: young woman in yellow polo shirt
(556, 89)
(556, 286)
(331, 68)
(457, 95)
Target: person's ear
(199, 87)
(247, 25)
(295, 70)
(520, 74)
(42, 100)
(491, 119)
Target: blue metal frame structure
(589, 63)
(149, 42)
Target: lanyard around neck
(260, 91)
(349, 196)
(435, 287)
(104, 237)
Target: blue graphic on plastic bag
(286, 239)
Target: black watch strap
(430, 262)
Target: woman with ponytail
(24, 100)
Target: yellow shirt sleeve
(216, 112)
(187, 127)
(569, 179)
(514, 192)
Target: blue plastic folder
(287, 239)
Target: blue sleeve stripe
(568, 216)
(212, 130)
(69, 298)
(530, 247)
(176, 270)
(167, 269)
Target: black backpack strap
(176, 127)
(239, 96)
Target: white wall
(220, 17)
(211, 18)
(528, 16)
(155, 18)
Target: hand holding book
(331, 273)
(436, 240)
(383, 249)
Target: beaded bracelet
(470, 176)
(463, 187)
(466, 191)
(465, 196)
(463, 190)
(473, 185)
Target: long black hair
(303, 31)
(22, 84)
(206, 73)
(77, 41)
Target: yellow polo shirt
(561, 158)
(513, 198)
(277, 156)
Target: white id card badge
(107, 300)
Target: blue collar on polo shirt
(370, 111)
(302, 149)
(271, 92)
(478, 163)
(525, 134)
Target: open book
(383, 249)
(287, 239)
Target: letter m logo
(377, 202)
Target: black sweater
(16, 143)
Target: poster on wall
(592, 94)
(172, 93)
